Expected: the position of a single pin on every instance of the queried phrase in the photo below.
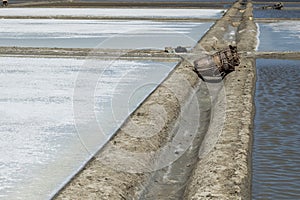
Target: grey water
(287, 13)
(276, 147)
(282, 35)
(291, 10)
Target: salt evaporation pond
(40, 146)
(276, 149)
(91, 33)
(113, 12)
(279, 36)
(43, 136)
(271, 13)
(276, 125)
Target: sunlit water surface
(40, 145)
(276, 148)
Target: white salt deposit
(40, 145)
(112, 12)
(90, 33)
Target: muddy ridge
(225, 172)
(95, 53)
(188, 139)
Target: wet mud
(149, 54)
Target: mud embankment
(225, 172)
(188, 139)
(154, 136)
(140, 54)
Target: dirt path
(225, 172)
(126, 54)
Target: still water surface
(276, 148)
(279, 36)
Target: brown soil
(89, 53)
(225, 172)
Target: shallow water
(279, 36)
(276, 149)
(99, 33)
(290, 10)
(288, 5)
(270, 13)
(41, 143)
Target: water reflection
(276, 149)
(270, 13)
(279, 36)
